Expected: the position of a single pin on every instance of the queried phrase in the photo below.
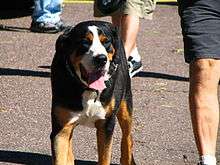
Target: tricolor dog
(91, 87)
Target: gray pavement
(162, 128)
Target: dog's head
(89, 48)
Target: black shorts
(200, 22)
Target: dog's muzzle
(100, 60)
(95, 78)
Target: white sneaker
(134, 63)
(207, 160)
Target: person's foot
(134, 67)
(61, 25)
(42, 27)
(134, 63)
(200, 163)
(207, 160)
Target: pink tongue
(98, 84)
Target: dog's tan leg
(61, 144)
(104, 143)
(61, 138)
(125, 120)
(70, 158)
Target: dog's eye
(107, 45)
(84, 45)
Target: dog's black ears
(118, 44)
(65, 43)
(116, 36)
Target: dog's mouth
(95, 79)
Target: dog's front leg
(61, 142)
(62, 148)
(104, 142)
(125, 121)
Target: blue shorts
(200, 22)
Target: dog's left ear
(118, 44)
(65, 43)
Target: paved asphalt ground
(162, 128)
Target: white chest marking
(92, 111)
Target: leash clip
(115, 66)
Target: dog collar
(112, 70)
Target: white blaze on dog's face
(96, 49)
(94, 64)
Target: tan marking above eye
(111, 54)
(89, 36)
(102, 38)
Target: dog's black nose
(100, 60)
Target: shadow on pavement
(24, 158)
(15, 13)
(44, 67)
(161, 76)
(28, 158)
(16, 8)
(22, 72)
(167, 3)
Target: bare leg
(204, 106)
(129, 32)
(129, 25)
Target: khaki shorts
(141, 8)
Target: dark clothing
(200, 22)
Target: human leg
(41, 12)
(47, 10)
(130, 24)
(129, 27)
(129, 31)
(46, 16)
(55, 9)
(204, 106)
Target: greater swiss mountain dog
(90, 86)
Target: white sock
(208, 159)
(136, 56)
